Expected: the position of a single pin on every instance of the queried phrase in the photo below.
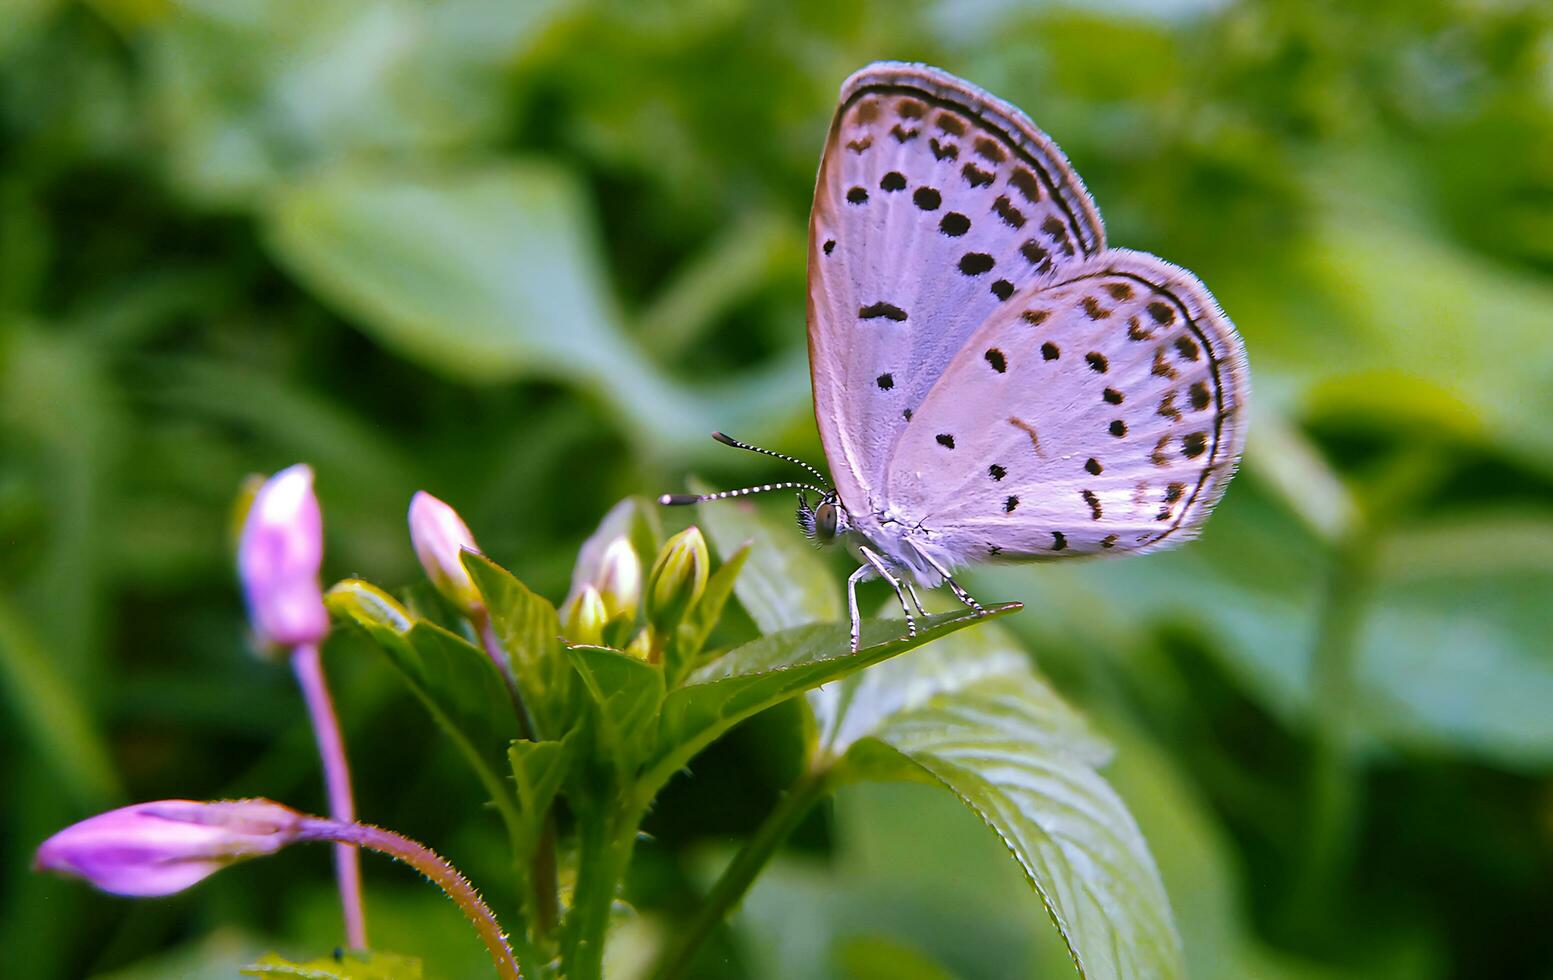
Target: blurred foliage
(523, 255)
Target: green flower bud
(368, 605)
(677, 579)
(640, 646)
(584, 618)
(619, 580)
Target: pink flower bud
(160, 848)
(440, 537)
(278, 558)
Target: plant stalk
(604, 852)
(1334, 794)
(307, 664)
(434, 867)
(741, 873)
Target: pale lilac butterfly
(991, 381)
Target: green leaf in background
(877, 958)
(47, 710)
(528, 629)
(1448, 655)
(486, 276)
(251, 91)
(970, 714)
(493, 274)
(1196, 860)
(341, 966)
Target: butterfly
(992, 381)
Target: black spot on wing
(975, 263)
(887, 311)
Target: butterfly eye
(825, 521)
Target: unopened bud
(164, 847)
(440, 536)
(584, 618)
(619, 580)
(641, 645)
(368, 605)
(278, 557)
(677, 580)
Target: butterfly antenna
(728, 440)
(673, 499)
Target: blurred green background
(526, 254)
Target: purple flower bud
(278, 558)
(164, 847)
(440, 537)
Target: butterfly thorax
(899, 540)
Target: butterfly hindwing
(1101, 412)
(936, 205)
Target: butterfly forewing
(936, 206)
(1099, 412)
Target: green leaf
(971, 715)
(628, 695)
(785, 583)
(539, 769)
(529, 631)
(340, 966)
(455, 681)
(769, 670)
(48, 711)
(224, 80)
(1447, 656)
(486, 275)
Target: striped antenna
(674, 499)
(728, 440)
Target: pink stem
(308, 666)
(433, 866)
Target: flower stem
(741, 873)
(603, 853)
(433, 866)
(1333, 781)
(308, 666)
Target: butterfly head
(826, 521)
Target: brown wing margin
(1012, 127)
(1226, 354)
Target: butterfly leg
(864, 571)
(955, 587)
(911, 590)
(900, 593)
